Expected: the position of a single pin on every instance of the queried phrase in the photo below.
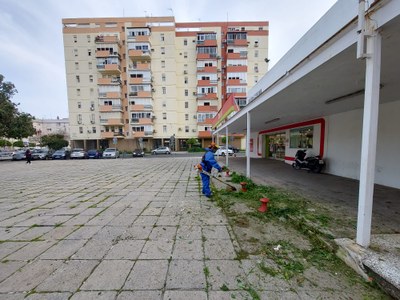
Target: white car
(222, 152)
(78, 153)
(111, 153)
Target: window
(88, 38)
(78, 92)
(91, 91)
(186, 93)
(94, 129)
(90, 65)
(163, 64)
(164, 104)
(301, 137)
(186, 104)
(255, 53)
(162, 50)
(80, 129)
(76, 66)
(185, 55)
(186, 80)
(75, 52)
(164, 128)
(89, 52)
(255, 79)
(164, 116)
(186, 128)
(90, 78)
(75, 39)
(164, 90)
(78, 79)
(163, 78)
(185, 42)
(79, 105)
(79, 119)
(186, 117)
(162, 37)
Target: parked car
(5, 155)
(234, 149)
(222, 151)
(18, 155)
(41, 154)
(138, 153)
(161, 150)
(61, 154)
(111, 153)
(78, 153)
(94, 153)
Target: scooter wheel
(296, 166)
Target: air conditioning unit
(89, 131)
(92, 108)
(154, 131)
(79, 122)
(193, 130)
(92, 121)
(153, 90)
(179, 129)
(185, 72)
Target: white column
(226, 145)
(369, 139)
(248, 145)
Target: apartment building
(149, 81)
(50, 126)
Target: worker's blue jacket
(208, 161)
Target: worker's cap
(214, 145)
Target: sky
(31, 41)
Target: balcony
(110, 108)
(100, 39)
(110, 95)
(139, 38)
(204, 134)
(109, 81)
(237, 42)
(139, 54)
(207, 82)
(209, 96)
(203, 56)
(207, 43)
(240, 55)
(207, 70)
(208, 108)
(236, 82)
(140, 81)
(142, 121)
(140, 94)
(141, 107)
(109, 68)
(107, 135)
(139, 67)
(236, 69)
(110, 121)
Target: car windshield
(92, 151)
(59, 152)
(77, 150)
(109, 150)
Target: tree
(54, 141)
(13, 124)
(191, 142)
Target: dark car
(94, 153)
(138, 153)
(61, 154)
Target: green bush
(196, 149)
(18, 144)
(4, 143)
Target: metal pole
(369, 139)
(248, 145)
(226, 145)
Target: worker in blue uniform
(207, 163)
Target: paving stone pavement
(122, 229)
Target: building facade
(50, 126)
(147, 82)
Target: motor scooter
(313, 164)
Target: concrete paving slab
(93, 249)
(126, 249)
(188, 249)
(219, 249)
(31, 250)
(142, 295)
(186, 275)
(163, 232)
(157, 249)
(68, 277)
(225, 274)
(7, 268)
(109, 275)
(63, 249)
(99, 295)
(147, 275)
(49, 296)
(9, 247)
(184, 295)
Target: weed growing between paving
(282, 258)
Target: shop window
(302, 137)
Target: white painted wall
(344, 144)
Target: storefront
(275, 145)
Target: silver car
(78, 153)
(111, 153)
(161, 150)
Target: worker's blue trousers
(206, 185)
